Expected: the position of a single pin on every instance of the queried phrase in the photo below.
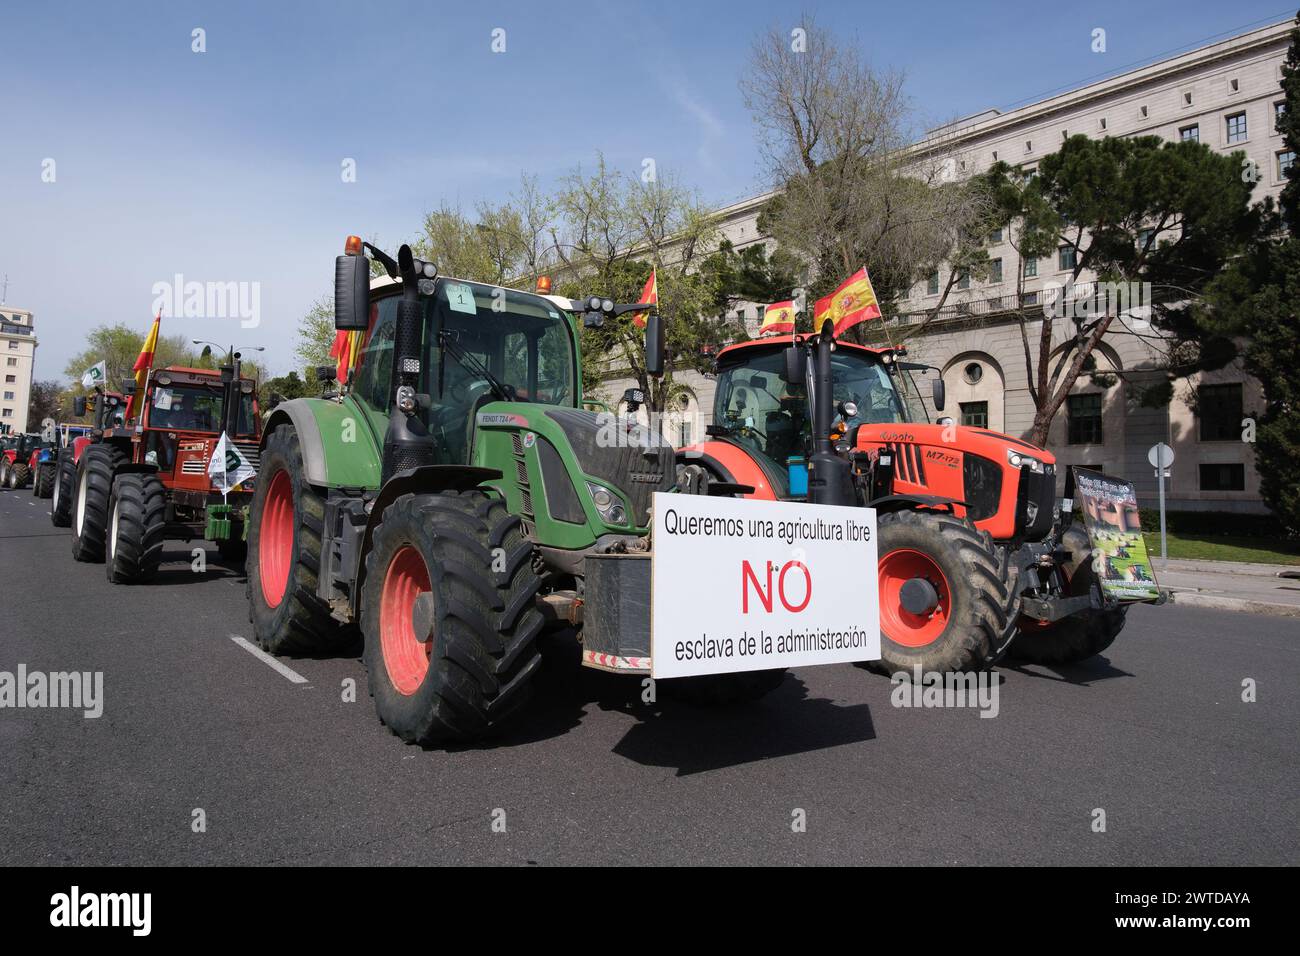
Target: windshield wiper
(447, 343)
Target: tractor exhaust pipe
(830, 477)
(407, 443)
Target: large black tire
(136, 526)
(723, 690)
(65, 480)
(43, 480)
(1071, 640)
(975, 619)
(475, 670)
(4, 472)
(287, 616)
(1080, 636)
(94, 485)
(18, 475)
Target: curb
(1199, 599)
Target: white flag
(228, 466)
(94, 375)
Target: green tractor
(454, 498)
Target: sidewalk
(1232, 585)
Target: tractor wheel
(43, 484)
(450, 644)
(18, 475)
(4, 472)
(284, 548)
(136, 525)
(1074, 639)
(1079, 636)
(93, 487)
(723, 690)
(65, 480)
(946, 600)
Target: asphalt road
(1155, 734)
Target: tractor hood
(966, 438)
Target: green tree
(316, 334)
(44, 403)
(1167, 216)
(611, 231)
(118, 346)
(1255, 300)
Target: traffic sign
(1160, 455)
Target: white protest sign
(744, 585)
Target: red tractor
(133, 485)
(974, 547)
(15, 459)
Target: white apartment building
(1225, 94)
(17, 357)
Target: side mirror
(939, 392)
(79, 406)
(793, 372)
(127, 385)
(351, 293)
(654, 344)
(326, 373)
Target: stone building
(17, 357)
(1225, 94)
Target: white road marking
(286, 672)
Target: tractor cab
(878, 437)
(183, 414)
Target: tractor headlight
(1016, 460)
(607, 503)
(406, 400)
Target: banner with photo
(1110, 513)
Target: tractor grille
(521, 475)
(639, 463)
(908, 461)
(194, 466)
(249, 451)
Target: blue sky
(225, 165)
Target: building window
(973, 372)
(1234, 86)
(1187, 98)
(975, 414)
(1083, 418)
(1225, 477)
(1284, 161)
(1236, 127)
(995, 271)
(1144, 238)
(932, 284)
(1219, 408)
(11, 362)
(1031, 266)
(685, 433)
(995, 155)
(13, 345)
(1190, 133)
(10, 378)
(1029, 146)
(1067, 257)
(1142, 112)
(996, 235)
(1031, 298)
(9, 396)
(8, 413)
(1102, 124)
(1279, 111)
(963, 279)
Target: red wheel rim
(405, 658)
(900, 625)
(275, 539)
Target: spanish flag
(778, 317)
(649, 295)
(143, 364)
(853, 302)
(346, 352)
